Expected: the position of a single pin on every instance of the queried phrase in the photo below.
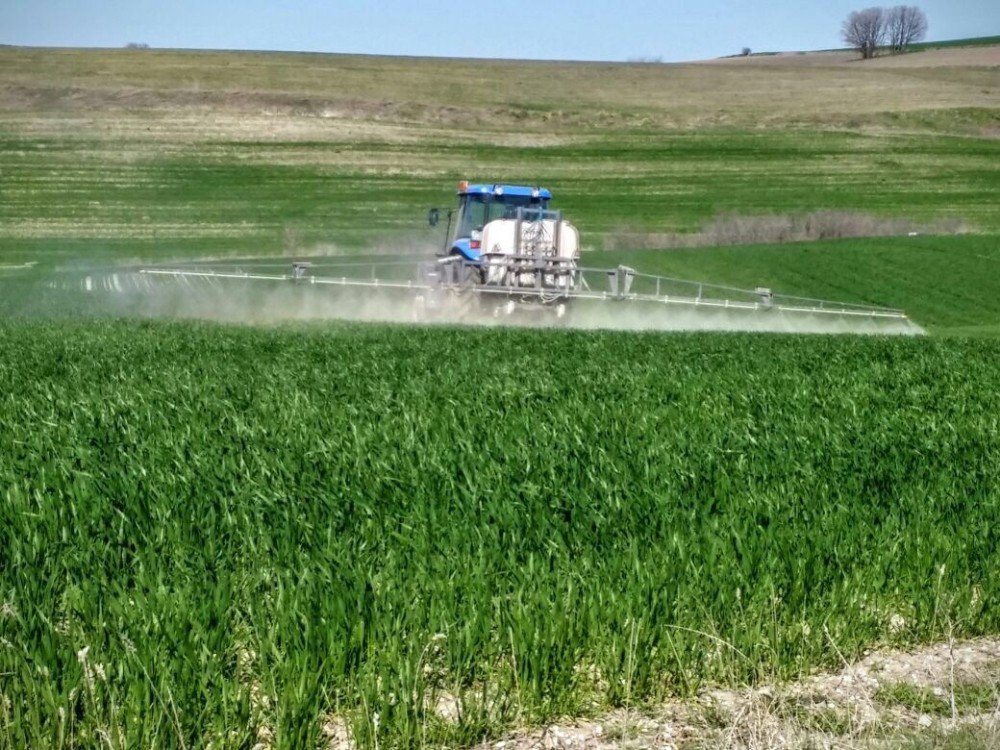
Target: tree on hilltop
(865, 31)
(906, 24)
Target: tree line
(895, 29)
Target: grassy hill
(132, 154)
(975, 41)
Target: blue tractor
(506, 237)
(478, 205)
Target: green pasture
(139, 199)
(74, 203)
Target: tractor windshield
(476, 211)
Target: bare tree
(865, 30)
(906, 24)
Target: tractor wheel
(471, 276)
(469, 303)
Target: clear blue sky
(558, 29)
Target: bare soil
(875, 702)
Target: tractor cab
(478, 205)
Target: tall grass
(231, 536)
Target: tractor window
(478, 211)
(476, 214)
(507, 207)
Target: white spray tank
(535, 249)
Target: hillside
(149, 154)
(523, 94)
(842, 55)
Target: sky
(558, 29)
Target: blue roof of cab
(519, 190)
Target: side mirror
(433, 216)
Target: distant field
(155, 153)
(517, 94)
(263, 196)
(979, 41)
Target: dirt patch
(866, 704)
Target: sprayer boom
(507, 253)
(519, 284)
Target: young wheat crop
(215, 535)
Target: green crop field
(945, 283)
(214, 534)
(981, 41)
(423, 536)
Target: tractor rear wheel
(470, 276)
